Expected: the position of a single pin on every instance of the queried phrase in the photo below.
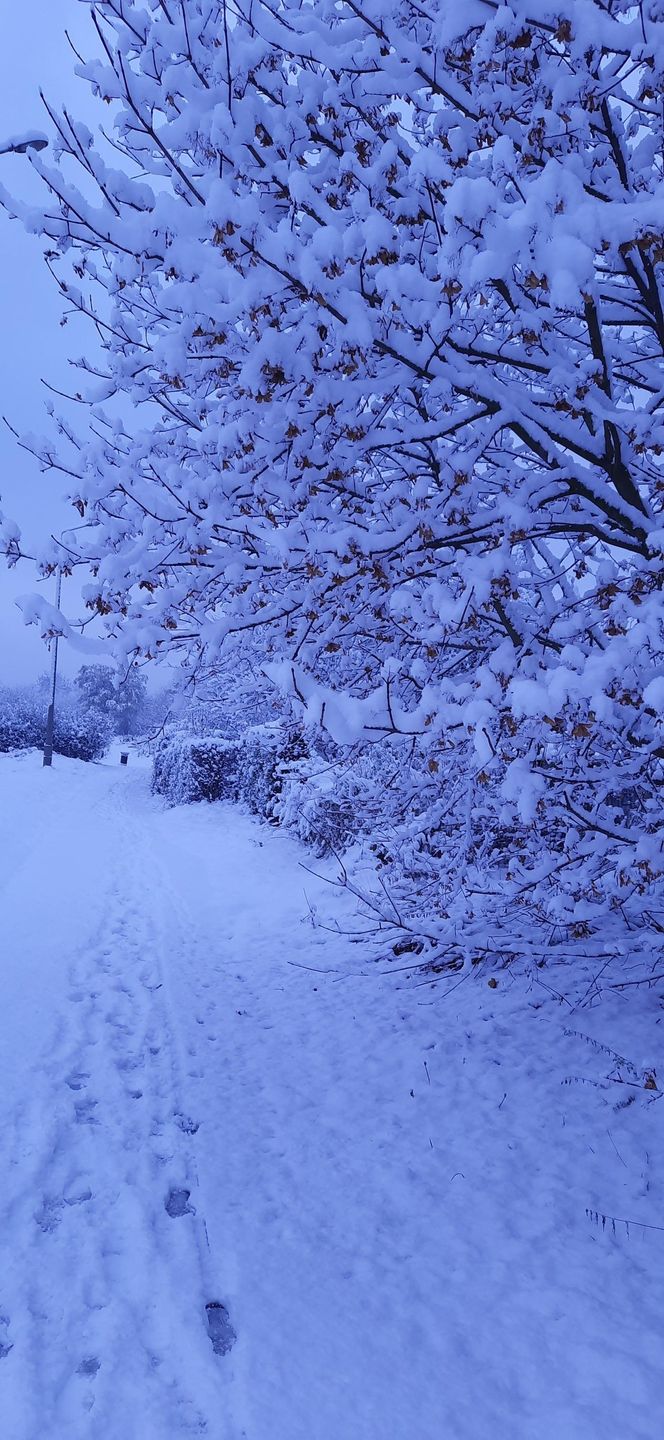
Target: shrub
(21, 721)
(187, 769)
(248, 769)
(315, 803)
(23, 727)
(81, 737)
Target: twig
(312, 968)
(623, 1162)
(597, 1215)
(645, 980)
(593, 983)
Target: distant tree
(66, 689)
(119, 698)
(96, 690)
(130, 702)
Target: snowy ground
(385, 1183)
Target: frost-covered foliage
(187, 769)
(22, 720)
(247, 769)
(23, 725)
(120, 700)
(385, 286)
(228, 697)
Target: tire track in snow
(105, 1294)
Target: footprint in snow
(88, 1366)
(77, 1192)
(219, 1327)
(77, 1079)
(129, 1062)
(177, 1203)
(84, 1110)
(49, 1216)
(5, 1344)
(186, 1124)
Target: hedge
(247, 769)
(23, 727)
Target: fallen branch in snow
(313, 968)
(593, 986)
(597, 1215)
(642, 980)
(604, 1049)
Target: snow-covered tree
(119, 698)
(382, 283)
(95, 690)
(130, 702)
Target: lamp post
(22, 143)
(50, 714)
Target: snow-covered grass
(386, 1180)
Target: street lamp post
(19, 145)
(50, 715)
(22, 143)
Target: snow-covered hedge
(324, 797)
(81, 737)
(424, 842)
(23, 726)
(247, 769)
(324, 821)
(186, 769)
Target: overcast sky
(34, 54)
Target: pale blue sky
(34, 54)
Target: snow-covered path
(205, 1099)
(105, 1275)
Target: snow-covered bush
(187, 769)
(23, 726)
(328, 796)
(80, 737)
(22, 720)
(326, 822)
(247, 769)
(441, 858)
